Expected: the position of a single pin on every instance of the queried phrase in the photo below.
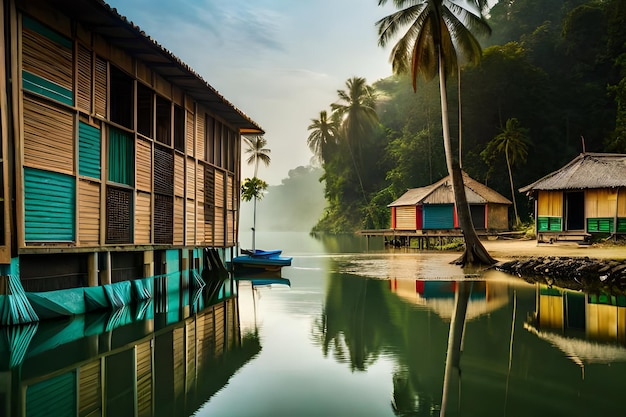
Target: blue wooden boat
(261, 253)
(265, 262)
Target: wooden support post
(148, 263)
(105, 274)
(92, 269)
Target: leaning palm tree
(512, 141)
(324, 131)
(439, 33)
(257, 152)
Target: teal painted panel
(121, 157)
(39, 85)
(555, 224)
(438, 216)
(35, 26)
(88, 150)
(50, 206)
(52, 397)
(621, 225)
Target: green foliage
(556, 66)
(252, 188)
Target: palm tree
(513, 142)
(324, 131)
(252, 188)
(357, 114)
(439, 31)
(257, 152)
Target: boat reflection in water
(160, 358)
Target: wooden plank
(48, 137)
(143, 218)
(88, 213)
(83, 83)
(200, 135)
(219, 188)
(179, 175)
(100, 87)
(191, 178)
(190, 134)
(199, 183)
(200, 234)
(143, 164)
(46, 58)
(179, 221)
(191, 222)
(90, 389)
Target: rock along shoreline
(569, 272)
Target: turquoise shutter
(88, 150)
(52, 397)
(438, 216)
(50, 205)
(121, 158)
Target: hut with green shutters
(118, 163)
(585, 197)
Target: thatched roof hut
(432, 207)
(586, 196)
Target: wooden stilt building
(117, 161)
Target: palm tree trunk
(475, 252)
(508, 165)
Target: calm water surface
(358, 332)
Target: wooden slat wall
(179, 221)
(100, 88)
(83, 90)
(200, 335)
(230, 225)
(200, 236)
(600, 203)
(143, 218)
(191, 178)
(208, 225)
(201, 135)
(48, 137)
(144, 379)
(218, 227)
(190, 134)
(550, 203)
(144, 165)
(621, 203)
(405, 218)
(44, 57)
(90, 389)
(179, 175)
(88, 213)
(199, 183)
(219, 189)
(230, 192)
(191, 222)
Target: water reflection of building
(147, 367)
(438, 296)
(586, 327)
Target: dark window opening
(163, 121)
(575, 209)
(144, 110)
(121, 98)
(179, 128)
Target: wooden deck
(426, 239)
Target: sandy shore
(509, 249)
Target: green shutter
(552, 224)
(600, 225)
(50, 205)
(621, 225)
(121, 157)
(88, 150)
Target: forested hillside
(555, 70)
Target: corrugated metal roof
(586, 171)
(104, 20)
(441, 193)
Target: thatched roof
(103, 20)
(441, 193)
(586, 171)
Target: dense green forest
(553, 72)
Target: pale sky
(279, 61)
